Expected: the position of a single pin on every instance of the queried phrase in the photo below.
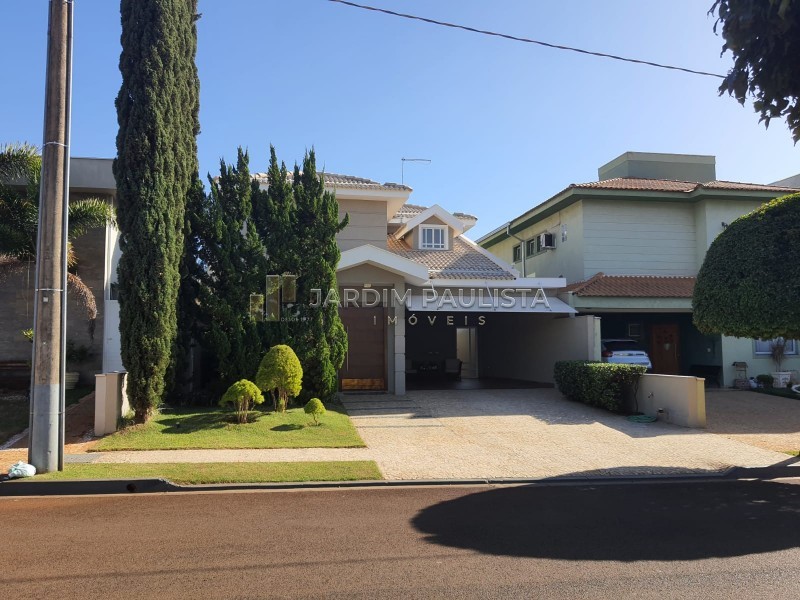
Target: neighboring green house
(630, 245)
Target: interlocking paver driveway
(529, 433)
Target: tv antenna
(403, 162)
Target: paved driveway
(529, 433)
(769, 422)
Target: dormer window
(433, 237)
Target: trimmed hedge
(596, 383)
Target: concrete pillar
(399, 312)
(110, 402)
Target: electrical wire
(527, 40)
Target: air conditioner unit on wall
(546, 241)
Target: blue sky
(505, 125)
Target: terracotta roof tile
(408, 211)
(462, 261)
(669, 185)
(345, 181)
(640, 185)
(634, 286)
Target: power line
(527, 40)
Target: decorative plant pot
(781, 378)
(71, 380)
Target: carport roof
(634, 286)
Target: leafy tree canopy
(280, 374)
(764, 38)
(243, 394)
(749, 284)
(20, 174)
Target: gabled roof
(434, 211)
(462, 261)
(345, 181)
(407, 211)
(631, 187)
(634, 286)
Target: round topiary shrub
(281, 375)
(749, 283)
(315, 408)
(243, 395)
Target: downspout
(522, 245)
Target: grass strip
(212, 429)
(198, 473)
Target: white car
(625, 352)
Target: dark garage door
(365, 364)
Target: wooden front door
(364, 365)
(665, 349)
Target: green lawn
(177, 429)
(14, 409)
(196, 473)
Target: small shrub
(596, 383)
(280, 374)
(315, 408)
(243, 395)
(765, 379)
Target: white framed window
(517, 252)
(433, 237)
(530, 250)
(764, 347)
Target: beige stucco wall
(639, 237)
(367, 224)
(375, 276)
(682, 399)
(526, 346)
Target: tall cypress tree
(319, 336)
(157, 111)
(233, 257)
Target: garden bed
(196, 428)
(782, 392)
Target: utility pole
(49, 306)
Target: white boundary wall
(682, 399)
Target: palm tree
(20, 174)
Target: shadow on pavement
(622, 522)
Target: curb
(152, 486)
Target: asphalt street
(718, 539)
